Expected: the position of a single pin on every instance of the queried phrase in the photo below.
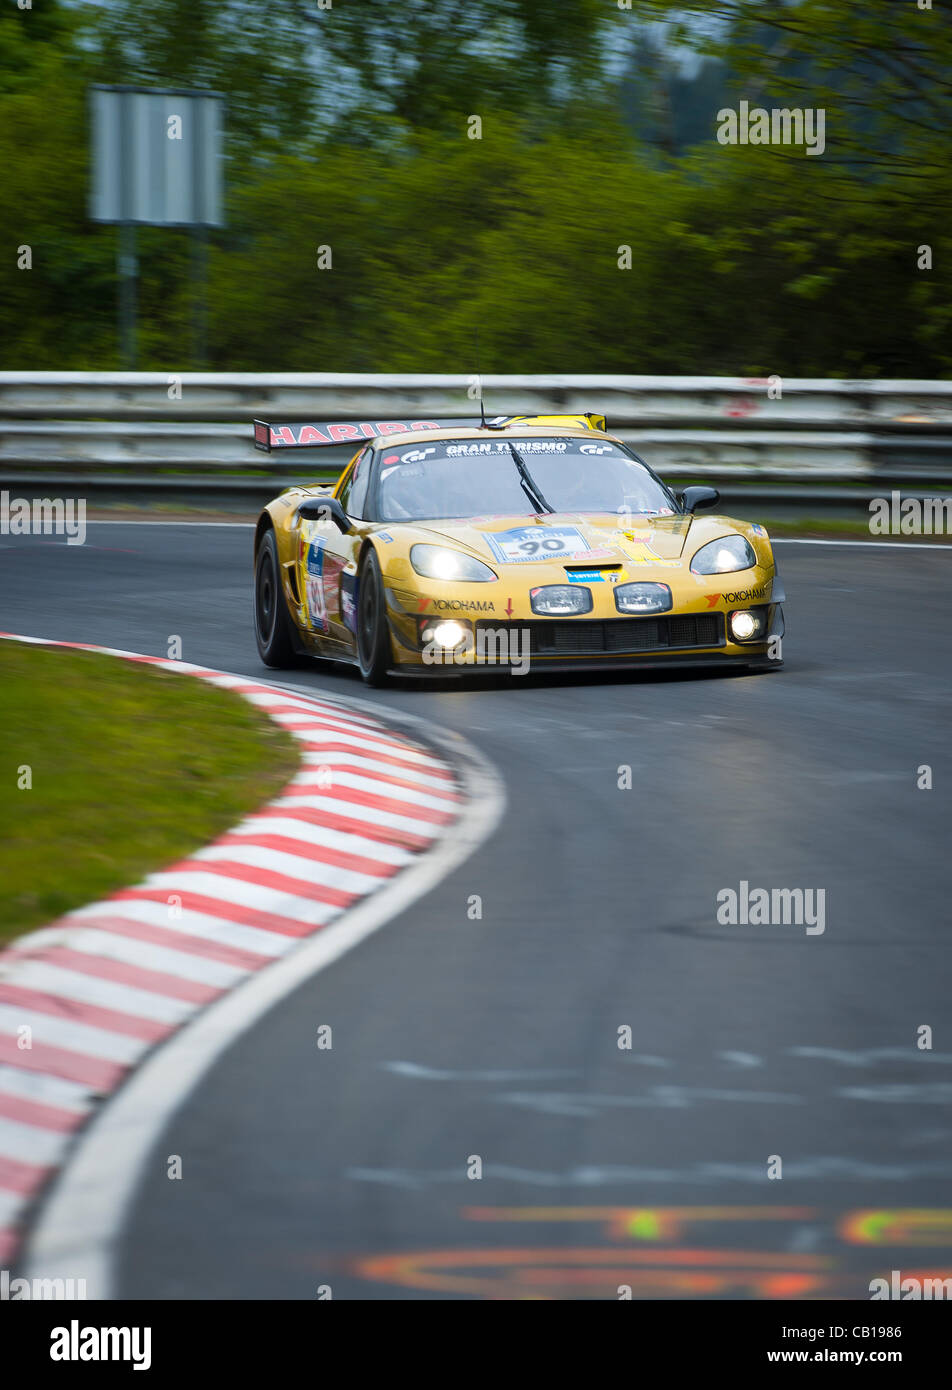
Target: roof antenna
(500, 422)
(479, 384)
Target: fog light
(559, 600)
(747, 625)
(642, 598)
(448, 634)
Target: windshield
(477, 477)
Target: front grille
(579, 637)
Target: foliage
(349, 129)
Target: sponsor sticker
(458, 605)
(587, 577)
(385, 536)
(285, 437)
(476, 448)
(745, 595)
(639, 550)
(348, 600)
(601, 554)
(314, 585)
(658, 561)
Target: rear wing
(269, 437)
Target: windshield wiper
(529, 486)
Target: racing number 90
(530, 547)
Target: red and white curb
(103, 986)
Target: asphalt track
(498, 1037)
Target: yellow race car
(513, 544)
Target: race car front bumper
(574, 644)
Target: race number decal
(529, 543)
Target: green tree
(882, 72)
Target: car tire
(273, 630)
(374, 654)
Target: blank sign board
(157, 157)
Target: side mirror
(325, 509)
(694, 498)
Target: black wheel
(272, 621)
(373, 634)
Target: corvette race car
(537, 542)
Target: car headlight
(439, 562)
(724, 556)
(642, 598)
(559, 600)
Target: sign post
(156, 162)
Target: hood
(566, 537)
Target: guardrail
(166, 435)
